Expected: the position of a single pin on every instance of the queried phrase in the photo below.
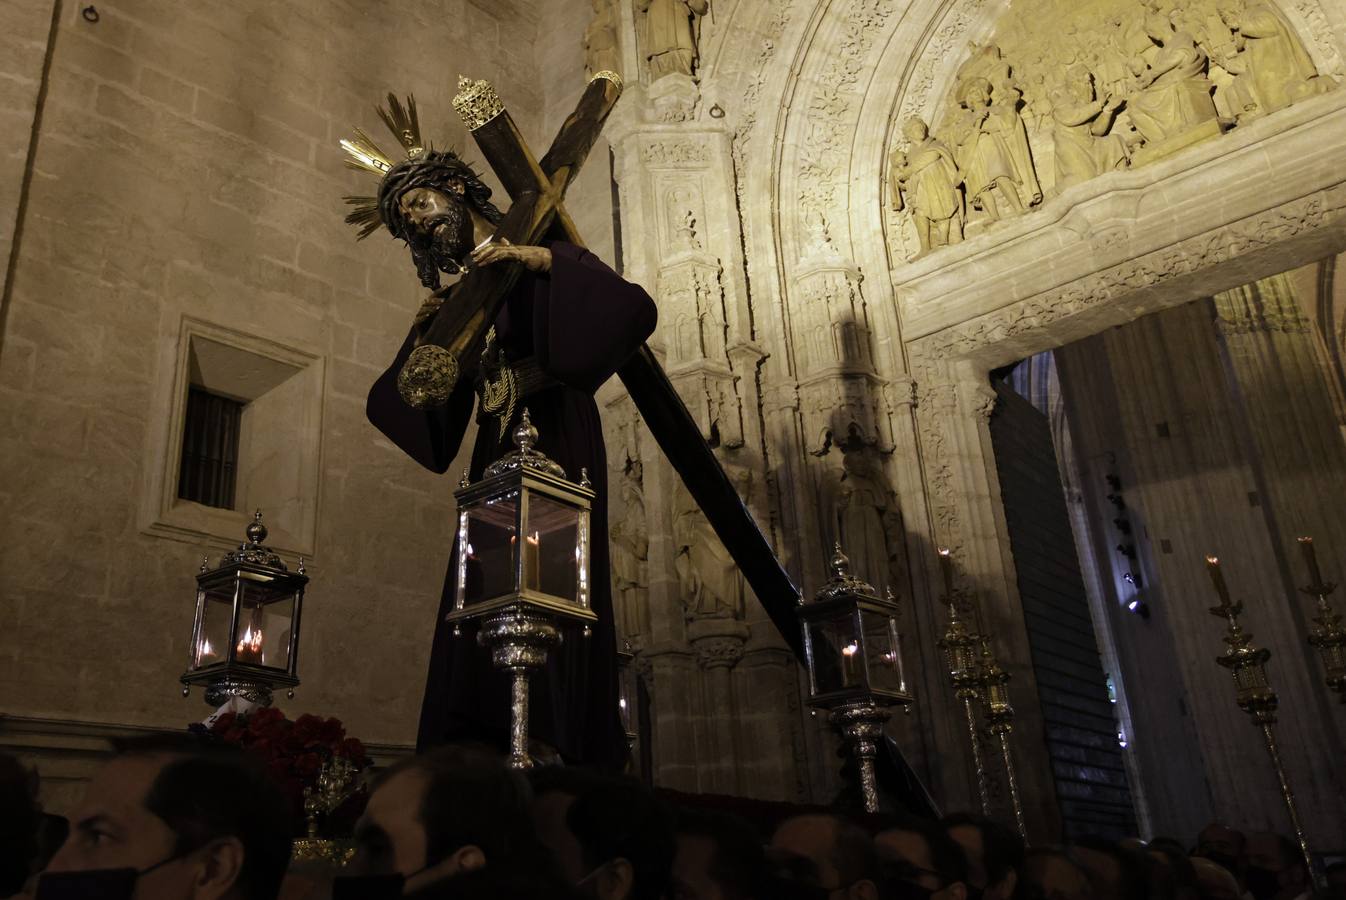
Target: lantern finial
(840, 564)
(525, 435)
(525, 456)
(256, 530)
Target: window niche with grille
(243, 432)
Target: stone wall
(186, 168)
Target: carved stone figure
(1276, 64)
(993, 152)
(1082, 146)
(985, 61)
(630, 543)
(669, 38)
(711, 584)
(1174, 94)
(928, 175)
(600, 40)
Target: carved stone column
(676, 189)
(1150, 403)
(718, 644)
(953, 408)
(1291, 423)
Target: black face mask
(900, 889)
(1262, 883)
(94, 884)
(367, 887)
(1225, 860)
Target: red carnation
(307, 766)
(262, 719)
(331, 731)
(353, 750)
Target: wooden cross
(538, 211)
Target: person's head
(829, 853)
(192, 820)
(995, 854)
(1172, 876)
(1275, 870)
(1336, 881)
(19, 823)
(451, 811)
(429, 202)
(1054, 875)
(1117, 870)
(609, 836)
(718, 858)
(1221, 844)
(915, 129)
(1214, 880)
(974, 93)
(920, 859)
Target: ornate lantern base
(519, 641)
(861, 726)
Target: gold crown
(364, 155)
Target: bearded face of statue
(442, 222)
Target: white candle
(848, 662)
(531, 563)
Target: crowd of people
(169, 818)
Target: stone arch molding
(851, 72)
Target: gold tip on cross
(608, 75)
(477, 102)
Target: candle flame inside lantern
(251, 645)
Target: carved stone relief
(831, 109)
(711, 584)
(601, 52)
(1112, 84)
(669, 35)
(629, 528)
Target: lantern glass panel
(217, 613)
(837, 663)
(883, 655)
(551, 547)
(264, 621)
(491, 535)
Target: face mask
(1263, 884)
(1225, 860)
(93, 884)
(367, 887)
(899, 889)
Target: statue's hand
(429, 307)
(534, 259)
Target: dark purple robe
(581, 321)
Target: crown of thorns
(422, 167)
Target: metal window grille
(209, 467)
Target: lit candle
(1310, 557)
(250, 646)
(531, 562)
(848, 662)
(1217, 579)
(946, 566)
(204, 651)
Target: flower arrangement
(294, 753)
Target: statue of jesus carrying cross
(535, 319)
